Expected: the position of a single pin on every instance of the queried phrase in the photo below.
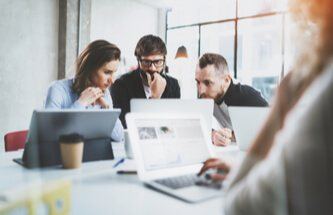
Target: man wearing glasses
(149, 80)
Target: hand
(90, 95)
(101, 101)
(213, 163)
(222, 137)
(157, 85)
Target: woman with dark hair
(95, 68)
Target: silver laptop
(246, 122)
(181, 106)
(169, 150)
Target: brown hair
(150, 45)
(94, 56)
(314, 22)
(219, 62)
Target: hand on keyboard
(215, 170)
(207, 181)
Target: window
(261, 52)
(187, 12)
(188, 37)
(219, 38)
(254, 7)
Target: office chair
(15, 140)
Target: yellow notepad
(53, 198)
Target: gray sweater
(297, 175)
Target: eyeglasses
(148, 63)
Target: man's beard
(216, 98)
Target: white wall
(28, 59)
(123, 22)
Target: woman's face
(103, 78)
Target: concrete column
(74, 33)
(84, 24)
(161, 28)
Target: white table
(97, 189)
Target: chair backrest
(15, 140)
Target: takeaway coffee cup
(128, 148)
(71, 147)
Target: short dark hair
(150, 45)
(219, 62)
(93, 57)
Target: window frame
(235, 21)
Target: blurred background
(40, 40)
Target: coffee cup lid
(71, 138)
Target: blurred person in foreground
(289, 167)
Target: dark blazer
(130, 86)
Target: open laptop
(42, 148)
(180, 106)
(169, 150)
(246, 122)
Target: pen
(123, 172)
(118, 162)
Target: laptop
(246, 122)
(169, 150)
(42, 148)
(181, 106)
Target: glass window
(254, 7)
(260, 53)
(188, 37)
(187, 12)
(290, 47)
(219, 38)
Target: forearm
(260, 191)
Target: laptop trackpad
(198, 193)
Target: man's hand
(157, 85)
(213, 163)
(222, 137)
(90, 95)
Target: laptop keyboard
(179, 181)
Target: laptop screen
(167, 143)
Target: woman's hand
(90, 95)
(101, 101)
(222, 169)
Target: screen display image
(166, 143)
